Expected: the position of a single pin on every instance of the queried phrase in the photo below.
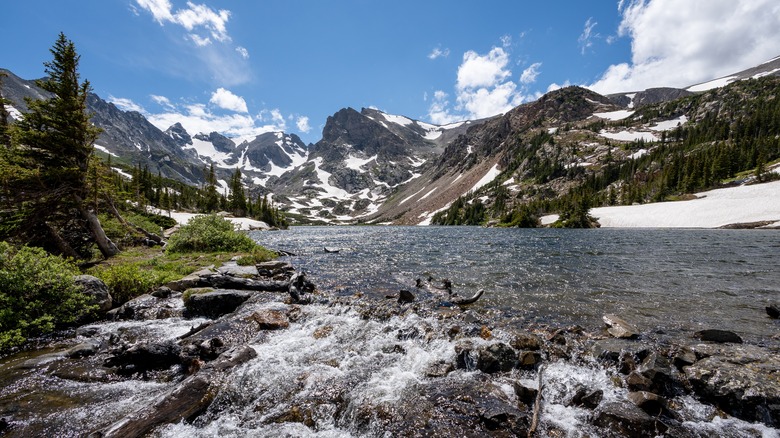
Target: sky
(247, 67)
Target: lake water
(662, 280)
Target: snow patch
(356, 163)
(615, 115)
(122, 172)
(628, 135)
(669, 124)
(13, 112)
(105, 150)
(398, 120)
(489, 177)
(722, 82)
(427, 217)
(637, 154)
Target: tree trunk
(106, 246)
(62, 245)
(127, 224)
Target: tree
(5, 135)
(54, 146)
(237, 198)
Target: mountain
(375, 167)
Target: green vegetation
(209, 233)
(258, 254)
(195, 291)
(38, 294)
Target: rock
(586, 398)
(719, 336)
(162, 292)
(439, 369)
(528, 359)
(739, 379)
(271, 319)
(143, 307)
(649, 402)
(274, 269)
(216, 303)
(525, 341)
(684, 357)
(404, 296)
(323, 332)
(619, 328)
(222, 281)
(190, 281)
(612, 349)
(298, 286)
(638, 382)
(144, 357)
(233, 269)
(496, 357)
(96, 290)
(82, 350)
(525, 394)
(773, 310)
(626, 419)
(657, 369)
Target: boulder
(82, 350)
(525, 341)
(215, 303)
(719, 336)
(162, 292)
(619, 328)
(496, 357)
(586, 397)
(404, 296)
(528, 359)
(270, 319)
(626, 419)
(96, 290)
(649, 402)
(525, 394)
(742, 380)
(274, 269)
(143, 307)
(773, 310)
(145, 357)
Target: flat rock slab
(233, 269)
(217, 303)
(619, 328)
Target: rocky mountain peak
(179, 134)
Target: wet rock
(82, 350)
(145, 357)
(612, 349)
(223, 281)
(185, 401)
(742, 380)
(773, 310)
(525, 341)
(619, 328)
(275, 269)
(234, 270)
(657, 369)
(719, 336)
(638, 382)
(298, 286)
(525, 394)
(216, 303)
(323, 332)
(649, 402)
(268, 319)
(190, 281)
(404, 296)
(439, 369)
(140, 308)
(626, 419)
(162, 292)
(496, 357)
(586, 398)
(684, 357)
(528, 359)
(96, 290)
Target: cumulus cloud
(679, 44)
(483, 88)
(194, 17)
(438, 52)
(243, 52)
(227, 100)
(162, 101)
(303, 124)
(529, 74)
(125, 104)
(586, 38)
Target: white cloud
(162, 101)
(243, 52)
(125, 104)
(483, 88)
(483, 71)
(554, 86)
(199, 41)
(587, 36)
(506, 41)
(160, 9)
(529, 75)
(191, 18)
(303, 124)
(679, 44)
(438, 52)
(227, 100)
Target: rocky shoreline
(494, 379)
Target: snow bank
(614, 115)
(244, 223)
(713, 209)
(488, 178)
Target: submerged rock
(720, 336)
(626, 419)
(619, 328)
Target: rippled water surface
(672, 281)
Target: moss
(195, 291)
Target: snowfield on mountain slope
(712, 209)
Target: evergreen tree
(55, 143)
(211, 196)
(237, 198)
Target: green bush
(126, 281)
(37, 294)
(209, 233)
(259, 254)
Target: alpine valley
(570, 147)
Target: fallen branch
(537, 406)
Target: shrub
(209, 233)
(259, 254)
(37, 295)
(126, 281)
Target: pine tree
(55, 146)
(237, 198)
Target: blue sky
(243, 67)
